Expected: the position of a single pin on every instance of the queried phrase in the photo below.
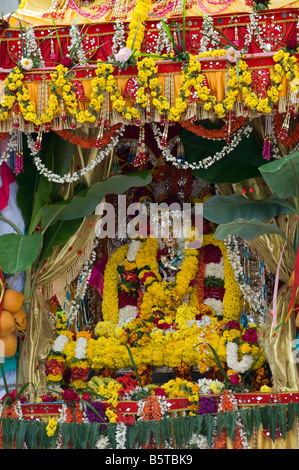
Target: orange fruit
(20, 319)
(12, 300)
(10, 344)
(7, 323)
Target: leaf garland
(179, 430)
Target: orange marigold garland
(213, 134)
(66, 134)
(228, 404)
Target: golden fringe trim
(116, 118)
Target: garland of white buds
(253, 298)
(210, 35)
(75, 37)
(163, 42)
(32, 50)
(121, 435)
(82, 284)
(208, 161)
(118, 41)
(71, 178)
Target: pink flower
(232, 54)
(123, 55)
(234, 379)
(250, 336)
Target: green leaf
(111, 429)
(209, 426)
(146, 431)
(132, 430)
(247, 229)
(18, 252)
(156, 432)
(247, 417)
(239, 164)
(282, 419)
(257, 417)
(93, 436)
(291, 415)
(32, 432)
(177, 431)
(66, 434)
(165, 430)
(7, 434)
(58, 234)
(230, 419)
(265, 417)
(21, 432)
(220, 423)
(198, 424)
(223, 209)
(273, 416)
(282, 175)
(85, 202)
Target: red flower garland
(214, 134)
(66, 134)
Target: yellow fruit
(10, 344)
(20, 319)
(12, 300)
(7, 323)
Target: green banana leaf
(223, 209)
(247, 229)
(85, 202)
(240, 164)
(282, 175)
(18, 252)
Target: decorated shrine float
(113, 338)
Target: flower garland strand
(76, 176)
(207, 161)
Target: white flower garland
(163, 41)
(118, 41)
(232, 358)
(59, 343)
(198, 441)
(82, 283)
(121, 435)
(71, 178)
(209, 386)
(80, 350)
(133, 250)
(210, 35)
(255, 299)
(103, 443)
(75, 40)
(127, 314)
(32, 50)
(208, 161)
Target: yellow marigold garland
(110, 290)
(136, 25)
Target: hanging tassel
(165, 132)
(141, 155)
(266, 154)
(38, 143)
(180, 153)
(19, 162)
